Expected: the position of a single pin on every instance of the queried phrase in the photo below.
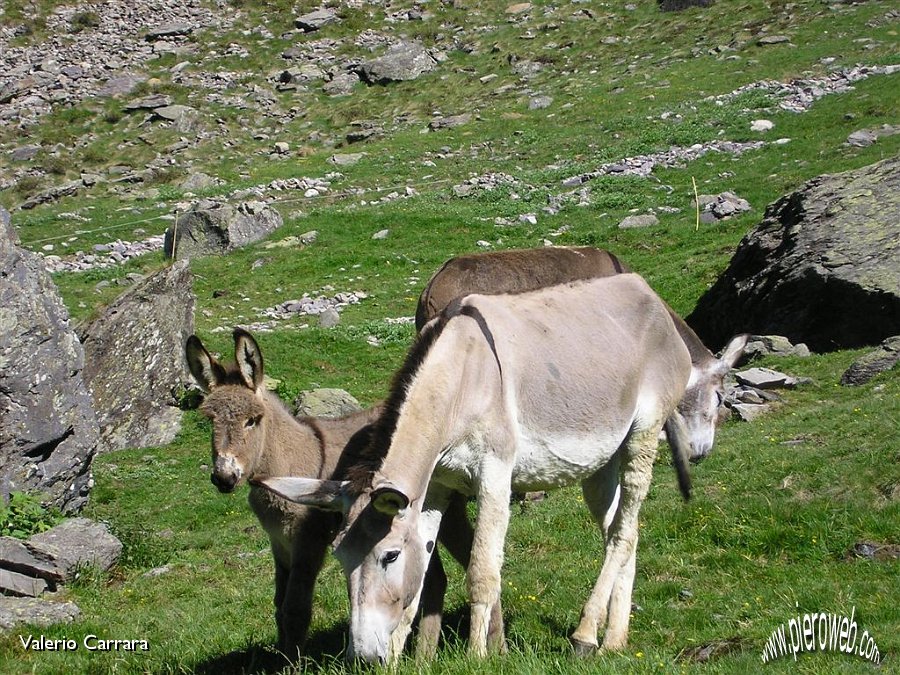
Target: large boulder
(48, 429)
(823, 267)
(403, 61)
(213, 228)
(134, 360)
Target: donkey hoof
(583, 650)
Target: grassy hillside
(777, 506)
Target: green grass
(775, 508)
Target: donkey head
(236, 404)
(704, 395)
(383, 554)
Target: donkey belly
(556, 460)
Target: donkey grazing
(255, 435)
(530, 269)
(494, 397)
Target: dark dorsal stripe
(455, 309)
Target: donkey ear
(329, 495)
(389, 500)
(249, 359)
(206, 370)
(733, 351)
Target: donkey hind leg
(487, 549)
(611, 597)
(601, 495)
(457, 537)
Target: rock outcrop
(134, 360)
(213, 228)
(821, 268)
(48, 429)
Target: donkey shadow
(323, 647)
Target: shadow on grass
(322, 648)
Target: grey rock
(821, 268)
(52, 194)
(341, 84)
(772, 345)
(120, 85)
(765, 378)
(199, 181)
(77, 542)
(540, 102)
(313, 21)
(148, 102)
(678, 5)
(643, 220)
(328, 403)
(48, 429)
(171, 29)
(35, 612)
(450, 122)
(329, 318)
(13, 583)
(747, 412)
(873, 363)
(381, 234)
(773, 40)
(212, 227)
(17, 556)
(347, 159)
(402, 62)
(134, 360)
(866, 137)
(24, 153)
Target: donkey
(254, 434)
(530, 269)
(495, 397)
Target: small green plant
(24, 515)
(84, 20)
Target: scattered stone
(402, 62)
(282, 148)
(870, 550)
(540, 102)
(772, 40)
(723, 205)
(772, 345)
(518, 8)
(24, 153)
(157, 571)
(166, 30)
(148, 103)
(381, 234)
(765, 378)
(449, 122)
(134, 360)
(642, 220)
(17, 556)
(873, 363)
(310, 306)
(329, 318)
(347, 159)
(52, 194)
(821, 267)
(762, 125)
(313, 21)
(48, 429)
(35, 612)
(711, 650)
(866, 137)
(747, 412)
(199, 181)
(341, 84)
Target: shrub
(25, 516)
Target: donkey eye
(390, 557)
(253, 421)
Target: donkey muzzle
(226, 474)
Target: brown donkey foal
(255, 435)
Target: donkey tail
(680, 444)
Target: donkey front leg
(309, 548)
(487, 549)
(611, 597)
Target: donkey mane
(365, 458)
